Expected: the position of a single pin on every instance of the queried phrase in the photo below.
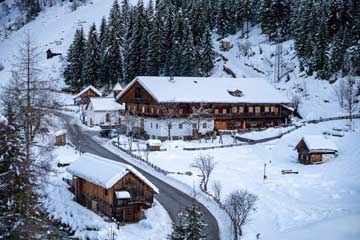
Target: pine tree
(179, 231)
(155, 46)
(207, 55)
(90, 73)
(76, 55)
(222, 22)
(194, 223)
(188, 68)
(125, 15)
(333, 20)
(168, 11)
(116, 25)
(104, 45)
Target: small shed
(111, 188)
(83, 97)
(225, 44)
(315, 149)
(153, 144)
(60, 137)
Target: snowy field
(58, 201)
(319, 198)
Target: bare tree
(217, 188)
(295, 100)
(350, 101)
(169, 111)
(340, 91)
(206, 164)
(239, 204)
(199, 113)
(130, 121)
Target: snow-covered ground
(299, 206)
(58, 202)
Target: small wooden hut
(111, 188)
(315, 149)
(60, 137)
(225, 44)
(83, 97)
(153, 145)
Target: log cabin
(83, 97)
(197, 106)
(60, 137)
(111, 188)
(315, 149)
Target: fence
(140, 159)
(247, 141)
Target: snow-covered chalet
(196, 105)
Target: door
(142, 124)
(221, 125)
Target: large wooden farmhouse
(200, 105)
(315, 149)
(111, 188)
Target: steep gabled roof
(318, 143)
(210, 90)
(105, 104)
(117, 87)
(90, 87)
(103, 172)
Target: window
(216, 111)
(134, 108)
(204, 125)
(234, 109)
(194, 125)
(151, 125)
(143, 109)
(258, 109)
(181, 111)
(158, 111)
(267, 109)
(274, 109)
(251, 109)
(180, 126)
(137, 92)
(157, 126)
(224, 111)
(152, 110)
(105, 192)
(241, 109)
(107, 117)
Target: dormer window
(236, 93)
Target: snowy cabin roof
(153, 142)
(117, 87)
(318, 143)
(103, 172)
(211, 90)
(60, 132)
(86, 89)
(105, 104)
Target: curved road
(173, 200)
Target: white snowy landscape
(316, 201)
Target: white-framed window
(234, 109)
(257, 109)
(151, 125)
(224, 111)
(180, 125)
(266, 109)
(204, 125)
(157, 126)
(274, 109)
(152, 110)
(158, 110)
(251, 109)
(143, 109)
(216, 111)
(241, 109)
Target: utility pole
(265, 177)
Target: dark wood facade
(226, 115)
(305, 156)
(104, 201)
(84, 98)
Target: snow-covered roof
(86, 89)
(211, 90)
(318, 143)
(117, 87)
(103, 172)
(60, 132)
(122, 194)
(3, 120)
(153, 142)
(105, 104)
